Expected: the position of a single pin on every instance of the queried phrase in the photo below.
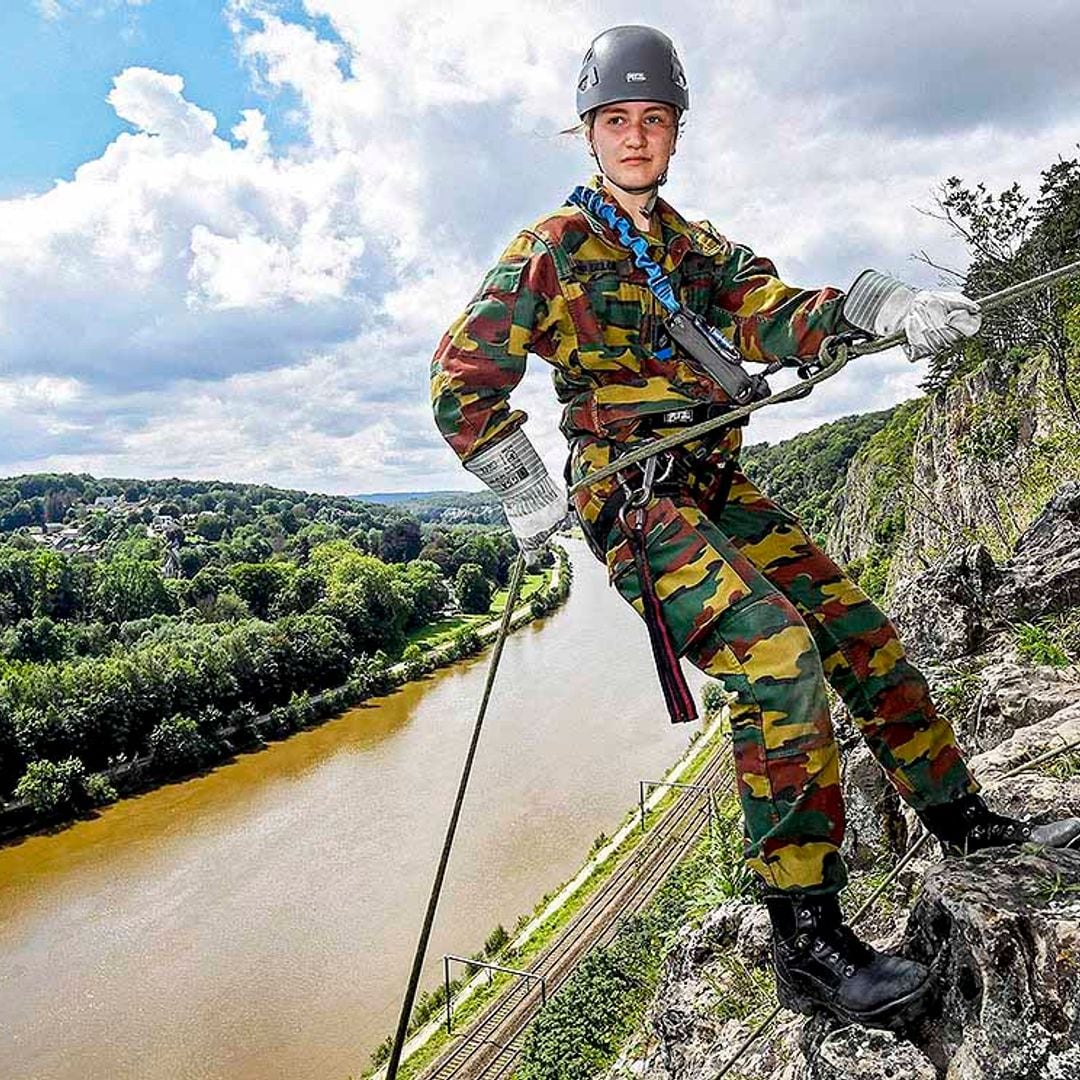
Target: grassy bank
(443, 630)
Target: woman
(617, 292)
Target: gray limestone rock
(873, 820)
(857, 1053)
(1043, 575)
(1014, 696)
(697, 1012)
(1047, 792)
(942, 613)
(1002, 931)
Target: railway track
(490, 1046)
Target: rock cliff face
(1001, 929)
(984, 457)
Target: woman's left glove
(931, 319)
(535, 505)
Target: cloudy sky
(232, 231)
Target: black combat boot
(968, 824)
(822, 966)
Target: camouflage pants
(750, 599)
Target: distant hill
(442, 507)
(805, 474)
(428, 498)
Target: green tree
(178, 746)
(259, 584)
(17, 584)
(427, 590)
(301, 591)
(127, 588)
(211, 526)
(54, 786)
(56, 586)
(400, 540)
(1010, 239)
(35, 640)
(473, 589)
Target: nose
(635, 135)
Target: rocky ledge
(1002, 934)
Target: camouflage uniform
(745, 594)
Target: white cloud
(191, 304)
(37, 391)
(103, 275)
(251, 131)
(154, 103)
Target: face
(634, 141)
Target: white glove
(931, 319)
(535, 505)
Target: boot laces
(839, 947)
(997, 829)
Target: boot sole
(893, 1016)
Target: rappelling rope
(833, 356)
(513, 590)
(897, 870)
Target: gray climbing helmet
(631, 63)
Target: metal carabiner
(635, 500)
(639, 497)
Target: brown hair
(582, 126)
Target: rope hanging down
(513, 591)
(831, 363)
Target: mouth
(634, 160)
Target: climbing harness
(627, 507)
(827, 365)
(631, 516)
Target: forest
(160, 618)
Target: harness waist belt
(688, 416)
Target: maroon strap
(677, 696)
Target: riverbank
(370, 678)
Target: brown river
(259, 922)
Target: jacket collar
(676, 234)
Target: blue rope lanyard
(720, 359)
(590, 200)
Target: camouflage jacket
(568, 291)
